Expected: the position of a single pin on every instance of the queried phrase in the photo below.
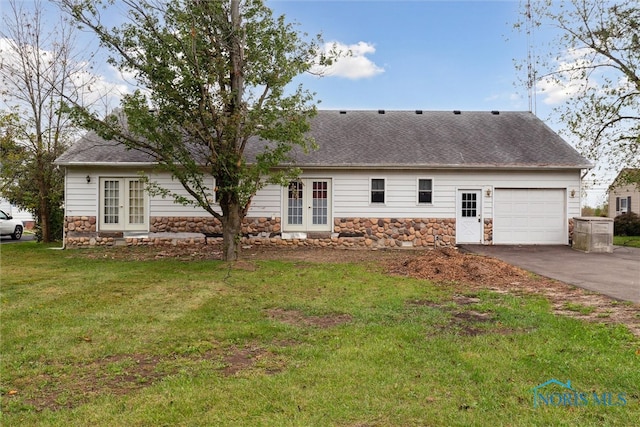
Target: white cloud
(352, 62)
(556, 92)
(90, 87)
(568, 79)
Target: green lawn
(97, 342)
(633, 241)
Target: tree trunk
(43, 221)
(231, 232)
(43, 202)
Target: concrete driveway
(616, 275)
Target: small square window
(425, 191)
(377, 190)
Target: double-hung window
(425, 191)
(623, 205)
(377, 190)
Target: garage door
(529, 216)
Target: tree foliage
(37, 72)
(212, 76)
(595, 60)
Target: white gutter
(441, 167)
(110, 164)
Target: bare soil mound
(442, 266)
(450, 266)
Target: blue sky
(431, 55)
(406, 55)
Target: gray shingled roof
(401, 139)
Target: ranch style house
(379, 179)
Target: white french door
(308, 205)
(123, 204)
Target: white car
(10, 226)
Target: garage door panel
(529, 216)
(536, 208)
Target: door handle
(479, 219)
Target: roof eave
(359, 166)
(109, 164)
(440, 166)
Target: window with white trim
(623, 205)
(425, 191)
(377, 190)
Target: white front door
(469, 227)
(308, 205)
(123, 204)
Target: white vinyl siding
(167, 207)
(81, 198)
(351, 192)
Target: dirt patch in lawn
(71, 385)
(254, 357)
(450, 266)
(75, 384)
(297, 318)
(443, 266)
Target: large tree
(212, 76)
(596, 60)
(38, 70)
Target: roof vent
(380, 111)
(418, 111)
(343, 112)
(456, 112)
(495, 112)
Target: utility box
(593, 234)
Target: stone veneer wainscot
(347, 232)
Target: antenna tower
(531, 69)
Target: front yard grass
(633, 241)
(101, 342)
